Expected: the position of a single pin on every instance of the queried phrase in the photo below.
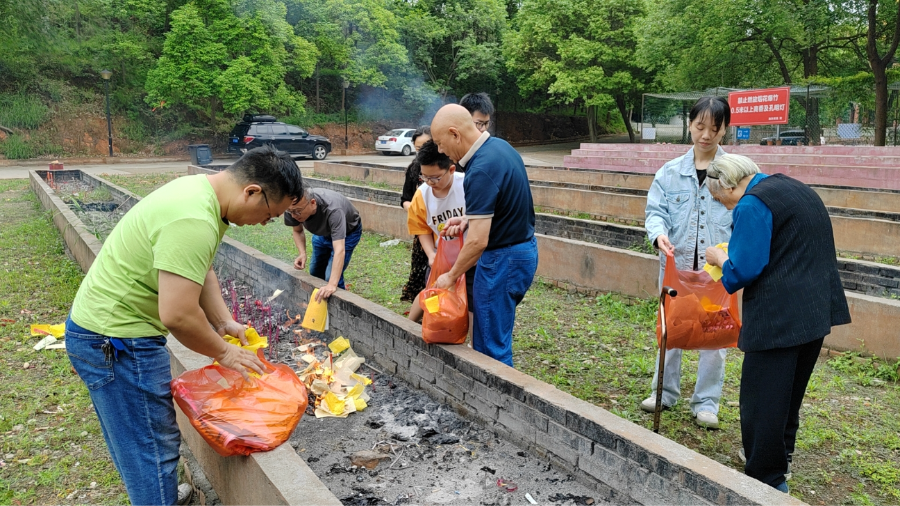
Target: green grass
(15, 147)
(603, 350)
(887, 260)
(52, 446)
(356, 182)
(142, 184)
(644, 247)
(22, 111)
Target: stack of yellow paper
(42, 329)
(254, 343)
(316, 314)
(433, 304)
(714, 271)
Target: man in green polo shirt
(153, 277)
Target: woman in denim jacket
(682, 216)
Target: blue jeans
(501, 280)
(323, 254)
(710, 377)
(131, 396)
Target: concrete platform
(866, 167)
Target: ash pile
(407, 449)
(399, 446)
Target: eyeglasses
(483, 125)
(431, 179)
(269, 209)
(296, 212)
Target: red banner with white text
(760, 107)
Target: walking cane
(662, 353)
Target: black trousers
(773, 383)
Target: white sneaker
(649, 405)
(185, 491)
(707, 419)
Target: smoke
(412, 101)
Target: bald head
(454, 131)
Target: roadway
(542, 155)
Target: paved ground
(532, 155)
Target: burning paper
(339, 390)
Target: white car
(396, 141)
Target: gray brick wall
(388, 197)
(597, 232)
(869, 278)
(863, 213)
(590, 187)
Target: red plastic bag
(239, 417)
(703, 316)
(446, 321)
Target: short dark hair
(429, 155)
(477, 102)
(717, 108)
(274, 171)
(422, 130)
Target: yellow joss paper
(338, 345)
(715, 272)
(356, 391)
(254, 340)
(433, 304)
(362, 379)
(360, 404)
(335, 406)
(43, 329)
(316, 314)
(254, 343)
(708, 305)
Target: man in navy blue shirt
(500, 223)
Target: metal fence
(817, 116)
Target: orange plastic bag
(703, 316)
(446, 319)
(239, 417)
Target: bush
(22, 111)
(15, 147)
(134, 130)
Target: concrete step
(627, 157)
(861, 177)
(755, 148)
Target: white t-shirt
(428, 213)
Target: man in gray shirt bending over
(336, 228)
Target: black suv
(258, 130)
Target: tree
(881, 45)
(456, 43)
(695, 44)
(358, 38)
(578, 50)
(215, 60)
